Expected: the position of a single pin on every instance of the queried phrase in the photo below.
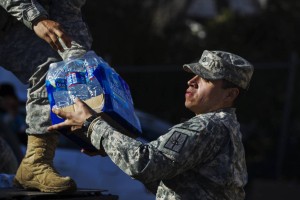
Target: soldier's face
(204, 96)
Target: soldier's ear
(232, 94)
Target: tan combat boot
(36, 170)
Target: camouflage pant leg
(29, 57)
(37, 105)
(9, 163)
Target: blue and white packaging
(109, 95)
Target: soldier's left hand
(51, 31)
(74, 120)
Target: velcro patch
(176, 141)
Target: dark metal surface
(84, 194)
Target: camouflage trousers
(19, 50)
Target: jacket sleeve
(26, 11)
(178, 150)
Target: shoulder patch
(186, 125)
(176, 141)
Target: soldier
(202, 158)
(26, 26)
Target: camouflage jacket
(26, 11)
(22, 51)
(67, 13)
(202, 158)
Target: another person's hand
(74, 120)
(51, 31)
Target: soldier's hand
(74, 120)
(51, 31)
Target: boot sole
(33, 185)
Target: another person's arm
(35, 17)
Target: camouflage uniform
(202, 158)
(28, 57)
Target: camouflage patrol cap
(214, 65)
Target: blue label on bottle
(61, 84)
(90, 72)
(74, 78)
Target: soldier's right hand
(51, 31)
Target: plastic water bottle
(91, 62)
(76, 82)
(57, 78)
